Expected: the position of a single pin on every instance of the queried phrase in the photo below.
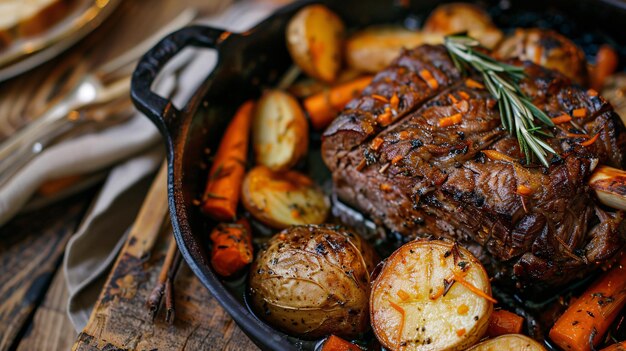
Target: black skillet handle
(160, 110)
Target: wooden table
(33, 296)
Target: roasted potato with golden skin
(431, 295)
(461, 17)
(280, 131)
(516, 342)
(315, 41)
(281, 199)
(546, 48)
(374, 48)
(312, 281)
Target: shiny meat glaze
(418, 178)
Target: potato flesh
(280, 131)
(281, 199)
(516, 342)
(315, 40)
(450, 322)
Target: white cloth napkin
(91, 251)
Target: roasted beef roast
(422, 152)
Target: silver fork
(106, 83)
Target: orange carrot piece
(384, 119)
(590, 142)
(459, 279)
(587, 319)
(394, 101)
(451, 120)
(497, 156)
(429, 79)
(564, 118)
(380, 98)
(524, 190)
(223, 187)
(376, 143)
(606, 64)
(620, 346)
(580, 112)
(504, 322)
(464, 95)
(403, 295)
(396, 159)
(470, 83)
(323, 107)
(335, 343)
(232, 247)
(452, 98)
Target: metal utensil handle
(160, 110)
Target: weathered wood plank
(120, 319)
(31, 247)
(51, 328)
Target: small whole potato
(546, 48)
(281, 199)
(315, 40)
(461, 17)
(312, 281)
(280, 131)
(431, 295)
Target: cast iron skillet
(255, 59)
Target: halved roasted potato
(461, 17)
(312, 281)
(280, 132)
(546, 48)
(281, 199)
(374, 48)
(314, 40)
(516, 342)
(431, 295)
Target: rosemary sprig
(516, 109)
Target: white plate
(27, 53)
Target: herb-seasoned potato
(546, 48)
(312, 281)
(373, 48)
(431, 295)
(280, 132)
(281, 199)
(460, 17)
(509, 342)
(315, 39)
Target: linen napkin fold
(91, 251)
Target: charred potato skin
(384, 289)
(311, 281)
(546, 48)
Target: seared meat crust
(420, 178)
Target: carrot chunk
(583, 325)
(451, 120)
(376, 143)
(429, 79)
(232, 247)
(335, 343)
(504, 322)
(580, 112)
(590, 142)
(323, 107)
(470, 83)
(223, 188)
(564, 118)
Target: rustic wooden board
(31, 247)
(121, 321)
(51, 328)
